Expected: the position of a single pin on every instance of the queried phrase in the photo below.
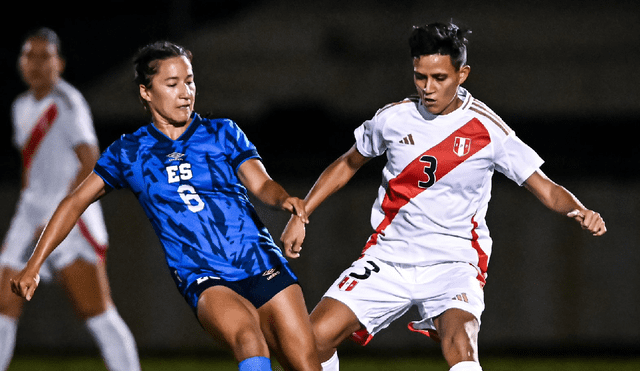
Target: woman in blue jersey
(191, 177)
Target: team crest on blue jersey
(175, 156)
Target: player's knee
(332, 322)
(323, 335)
(86, 309)
(458, 346)
(248, 341)
(328, 337)
(458, 332)
(459, 343)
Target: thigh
(10, 303)
(76, 246)
(332, 322)
(19, 241)
(285, 323)
(87, 287)
(448, 286)
(229, 317)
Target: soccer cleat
(433, 334)
(362, 337)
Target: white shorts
(87, 240)
(380, 292)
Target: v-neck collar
(162, 137)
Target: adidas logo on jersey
(408, 140)
(461, 297)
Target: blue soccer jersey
(191, 194)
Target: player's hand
(589, 220)
(292, 237)
(25, 283)
(296, 207)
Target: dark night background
(298, 77)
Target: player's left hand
(589, 220)
(296, 207)
(292, 237)
(25, 283)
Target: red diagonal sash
(99, 248)
(424, 171)
(38, 133)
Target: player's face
(40, 65)
(437, 82)
(172, 93)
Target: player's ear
(463, 74)
(144, 93)
(62, 63)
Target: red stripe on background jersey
(429, 168)
(483, 258)
(100, 249)
(37, 134)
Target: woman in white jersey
(431, 245)
(53, 130)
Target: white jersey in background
(436, 186)
(46, 132)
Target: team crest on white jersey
(348, 283)
(461, 146)
(175, 156)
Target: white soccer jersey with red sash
(46, 132)
(436, 186)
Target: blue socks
(255, 364)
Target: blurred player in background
(431, 244)
(54, 131)
(191, 176)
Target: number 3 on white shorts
(189, 196)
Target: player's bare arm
(332, 179)
(87, 154)
(64, 218)
(560, 200)
(253, 175)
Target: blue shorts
(258, 289)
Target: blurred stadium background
(298, 77)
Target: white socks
(115, 341)
(8, 328)
(466, 366)
(332, 364)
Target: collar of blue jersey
(160, 136)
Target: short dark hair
(146, 59)
(45, 34)
(440, 38)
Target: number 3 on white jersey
(189, 196)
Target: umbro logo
(408, 140)
(270, 273)
(175, 156)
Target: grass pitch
(67, 363)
